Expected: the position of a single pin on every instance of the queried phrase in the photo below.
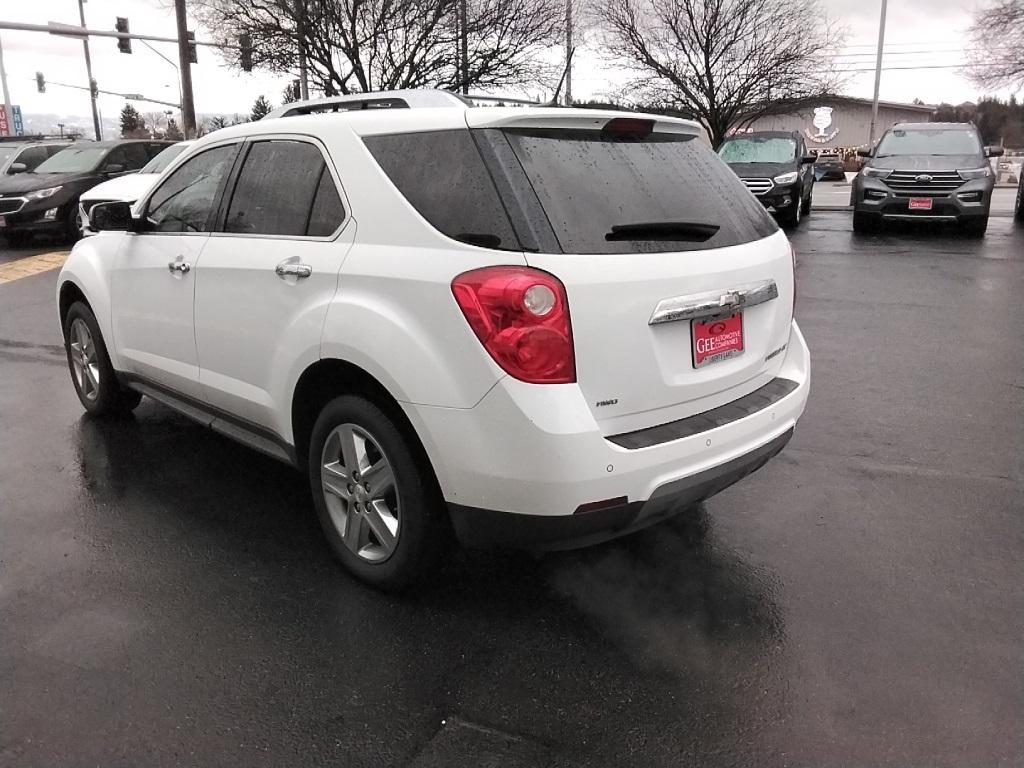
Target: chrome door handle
(178, 266)
(292, 268)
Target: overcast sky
(919, 32)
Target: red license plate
(920, 204)
(716, 339)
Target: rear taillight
(521, 316)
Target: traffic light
(40, 82)
(193, 56)
(245, 51)
(94, 89)
(124, 44)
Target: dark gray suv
(936, 172)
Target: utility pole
(300, 10)
(878, 78)
(568, 53)
(188, 107)
(88, 73)
(7, 94)
(464, 41)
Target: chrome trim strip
(713, 303)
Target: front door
(268, 277)
(153, 283)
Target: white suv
(537, 326)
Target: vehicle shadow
(223, 542)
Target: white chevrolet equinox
(536, 327)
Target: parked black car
(19, 154)
(935, 172)
(46, 199)
(829, 167)
(776, 167)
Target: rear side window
(443, 176)
(665, 192)
(284, 188)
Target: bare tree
(366, 45)
(723, 61)
(996, 54)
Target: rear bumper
(487, 527)
(536, 455)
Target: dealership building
(841, 124)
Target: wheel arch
(328, 378)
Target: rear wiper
(689, 231)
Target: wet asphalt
(166, 597)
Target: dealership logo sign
(822, 120)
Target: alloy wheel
(84, 360)
(359, 489)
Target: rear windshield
(665, 192)
(929, 141)
(596, 194)
(762, 149)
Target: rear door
(654, 229)
(268, 275)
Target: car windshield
(73, 160)
(165, 158)
(929, 141)
(754, 149)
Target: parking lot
(166, 597)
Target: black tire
(415, 500)
(1018, 207)
(72, 225)
(866, 223)
(107, 397)
(806, 209)
(791, 218)
(975, 227)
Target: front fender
(89, 268)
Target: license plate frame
(726, 329)
(920, 204)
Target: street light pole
(568, 53)
(188, 108)
(88, 72)
(878, 78)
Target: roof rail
(410, 98)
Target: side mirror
(864, 152)
(111, 217)
(17, 168)
(993, 151)
(113, 168)
(807, 159)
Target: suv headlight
(975, 173)
(786, 178)
(875, 173)
(42, 194)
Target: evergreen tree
(131, 122)
(261, 108)
(173, 132)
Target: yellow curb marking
(32, 265)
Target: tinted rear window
(443, 176)
(589, 183)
